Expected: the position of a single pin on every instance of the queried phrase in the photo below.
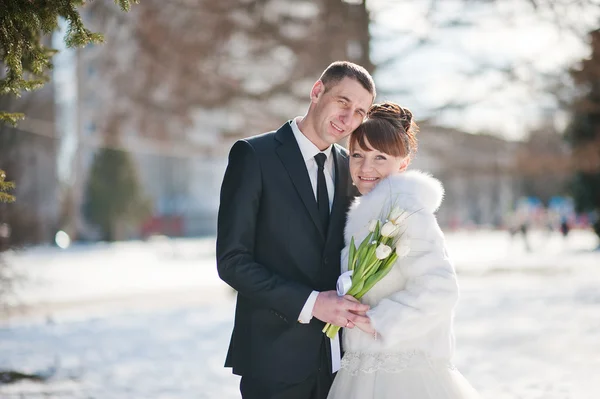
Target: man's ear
(317, 91)
(404, 164)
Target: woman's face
(368, 166)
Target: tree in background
(114, 199)
(584, 133)
(251, 61)
(22, 52)
(434, 21)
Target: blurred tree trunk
(584, 133)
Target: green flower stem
(356, 287)
(351, 254)
(368, 270)
(375, 278)
(372, 268)
(361, 287)
(368, 259)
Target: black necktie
(322, 196)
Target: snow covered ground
(152, 319)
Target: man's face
(339, 110)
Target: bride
(405, 349)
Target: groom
(280, 232)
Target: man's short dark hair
(339, 70)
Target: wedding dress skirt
(405, 375)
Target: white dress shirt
(309, 150)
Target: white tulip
(401, 218)
(372, 225)
(389, 230)
(398, 215)
(383, 251)
(395, 213)
(403, 248)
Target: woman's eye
(380, 157)
(356, 155)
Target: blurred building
(478, 173)
(545, 164)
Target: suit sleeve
(431, 290)
(236, 234)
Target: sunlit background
(108, 282)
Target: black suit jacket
(272, 249)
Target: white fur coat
(412, 307)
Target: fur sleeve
(431, 290)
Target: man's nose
(345, 116)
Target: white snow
(153, 320)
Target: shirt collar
(307, 147)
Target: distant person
(564, 226)
(518, 223)
(524, 228)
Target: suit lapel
(291, 158)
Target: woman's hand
(363, 324)
(366, 327)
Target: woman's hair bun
(393, 113)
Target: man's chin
(336, 137)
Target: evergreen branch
(5, 186)
(11, 118)
(125, 5)
(6, 197)
(22, 26)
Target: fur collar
(412, 191)
(411, 187)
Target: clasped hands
(344, 311)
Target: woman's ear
(404, 164)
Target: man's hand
(339, 311)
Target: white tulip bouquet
(373, 259)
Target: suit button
(326, 260)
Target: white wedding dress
(412, 308)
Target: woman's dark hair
(388, 128)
